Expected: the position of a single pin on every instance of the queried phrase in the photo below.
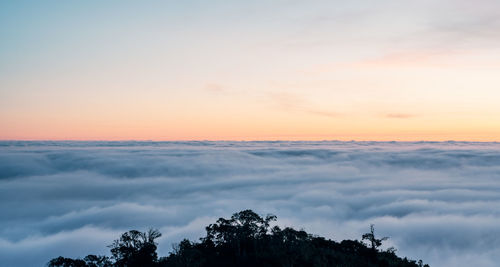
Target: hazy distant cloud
(437, 201)
(215, 88)
(399, 115)
(296, 103)
(323, 113)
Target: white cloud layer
(439, 202)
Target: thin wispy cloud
(291, 102)
(215, 88)
(399, 116)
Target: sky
(250, 70)
(437, 201)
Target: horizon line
(244, 140)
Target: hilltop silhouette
(245, 239)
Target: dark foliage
(135, 249)
(246, 239)
(88, 261)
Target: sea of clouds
(437, 201)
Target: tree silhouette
(245, 239)
(66, 262)
(88, 261)
(374, 242)
(97, 261)
(135, 248)
(242, 226)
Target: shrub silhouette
(245, 239)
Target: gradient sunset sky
(250, 70)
